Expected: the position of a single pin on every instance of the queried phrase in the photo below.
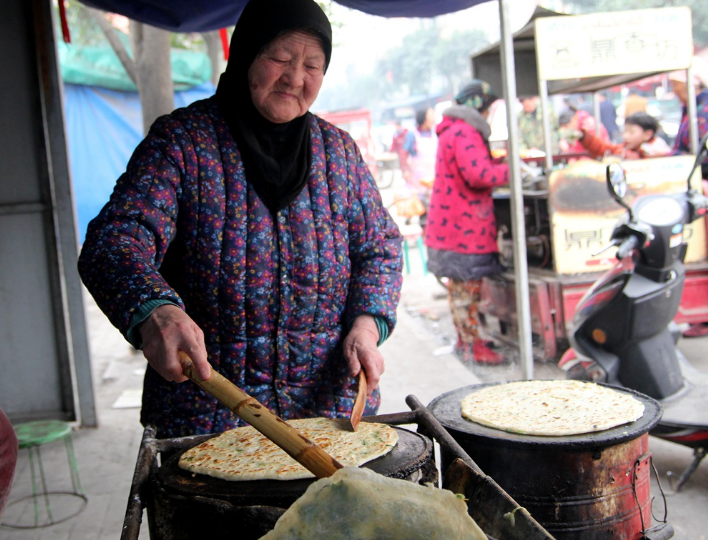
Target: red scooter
(623, 331)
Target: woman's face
(286, 76)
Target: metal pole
(521, 276)
(596, 112)
(69, 316)
(547, 144)
(691, 108)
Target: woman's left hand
(360, 350)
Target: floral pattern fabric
(273, 293)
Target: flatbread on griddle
(551, 407)
(246, 454)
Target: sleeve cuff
(143, 312)
(383, 329)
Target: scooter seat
(689, 407)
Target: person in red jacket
(8, 459)
(640, 140)
(461, 234)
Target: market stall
(568, 214)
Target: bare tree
(150, 68)
(151, 48)
(215, 52)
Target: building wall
(44, 357)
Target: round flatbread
(246, 454)
(551, 408)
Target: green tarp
(100, 66)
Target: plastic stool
(32, 435)
(413, 232)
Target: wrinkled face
(634, 136)
(286, 76)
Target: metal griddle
(410, 454)
(446, 409)
(214, 518)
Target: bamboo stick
(299, 447)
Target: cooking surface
(410, 453)
(446, 408)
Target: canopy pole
(545, 116)
(523, 310)
(596, 112)
(692, 113)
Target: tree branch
(116, 44)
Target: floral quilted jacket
(273, 294)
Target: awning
(205, 15)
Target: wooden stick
(360, 402)
(299, 447)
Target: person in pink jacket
(461, 234)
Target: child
(640, 140)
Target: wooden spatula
(360, 402)
(304, 451)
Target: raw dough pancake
(551, 408)
(358, 504)
(245, 454)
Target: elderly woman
(462, 233)
(249, 232)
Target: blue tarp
(103, 128)
(204, 15)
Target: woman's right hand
(167, 331)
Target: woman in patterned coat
(250, 234)
(462, 233)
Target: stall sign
(621, 42)
(583, 214)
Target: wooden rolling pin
(299, 447)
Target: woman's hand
(168, 330)
(360, 350)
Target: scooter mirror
(617, 184)
(617, 181)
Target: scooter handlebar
(626, 247)
(697, 206)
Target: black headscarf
(276, 157)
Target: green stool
(413, 233)
(32, 435)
